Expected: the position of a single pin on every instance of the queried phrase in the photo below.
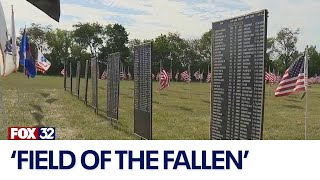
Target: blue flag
(25, 56)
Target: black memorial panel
(78, 79)
(70, 77)
(143, 91)
(113, 81)
(237, 87)
(86, 78)
(94, 82)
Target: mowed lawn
(180, 112)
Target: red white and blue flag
(209, 77)
(42, 63)
(185, 76)
(294, 79)
(104, 75)
(272, 78)
(197, 75)
(164, 79)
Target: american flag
(185, 76)
(272, 78)
(278, 79)
(164, 79)
(62, 72)
(314, 80)
(293, 79)
(123, 75)
(209, 77)
(104, 75)
(42, 64)
(201, 76)
(318, 79)
(197, 75)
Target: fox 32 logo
(31, 133)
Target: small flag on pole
(185, 76)
(42, 64)
(62, 72)
(293, 79)
(104, 75)
(209, 77)
(272, 78)
(164, 79)
(197, 75)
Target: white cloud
(293, 14)
(190, 19)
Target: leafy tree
(59, 43)
(37, 34)
(116, 41)
(285, 45)
(205, 46)
(161, 52)
(314, 62)
(89, 35)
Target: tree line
(95, 40)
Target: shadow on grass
(185, 108)
(38, 117)
(130, 97)
(156, 102)
(45, 95)
(293, 106)
(36, 107)
(205, 101)
(163, 94)
(102, 110)
(52, 100)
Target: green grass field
(177, 114)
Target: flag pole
(306, 91)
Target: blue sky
(146, 19)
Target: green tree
(116, 41)
(59, 43)
(161, 52)
(285, 46)
(314, 61)
(205, 47)
(37, 34)
(89, 35)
